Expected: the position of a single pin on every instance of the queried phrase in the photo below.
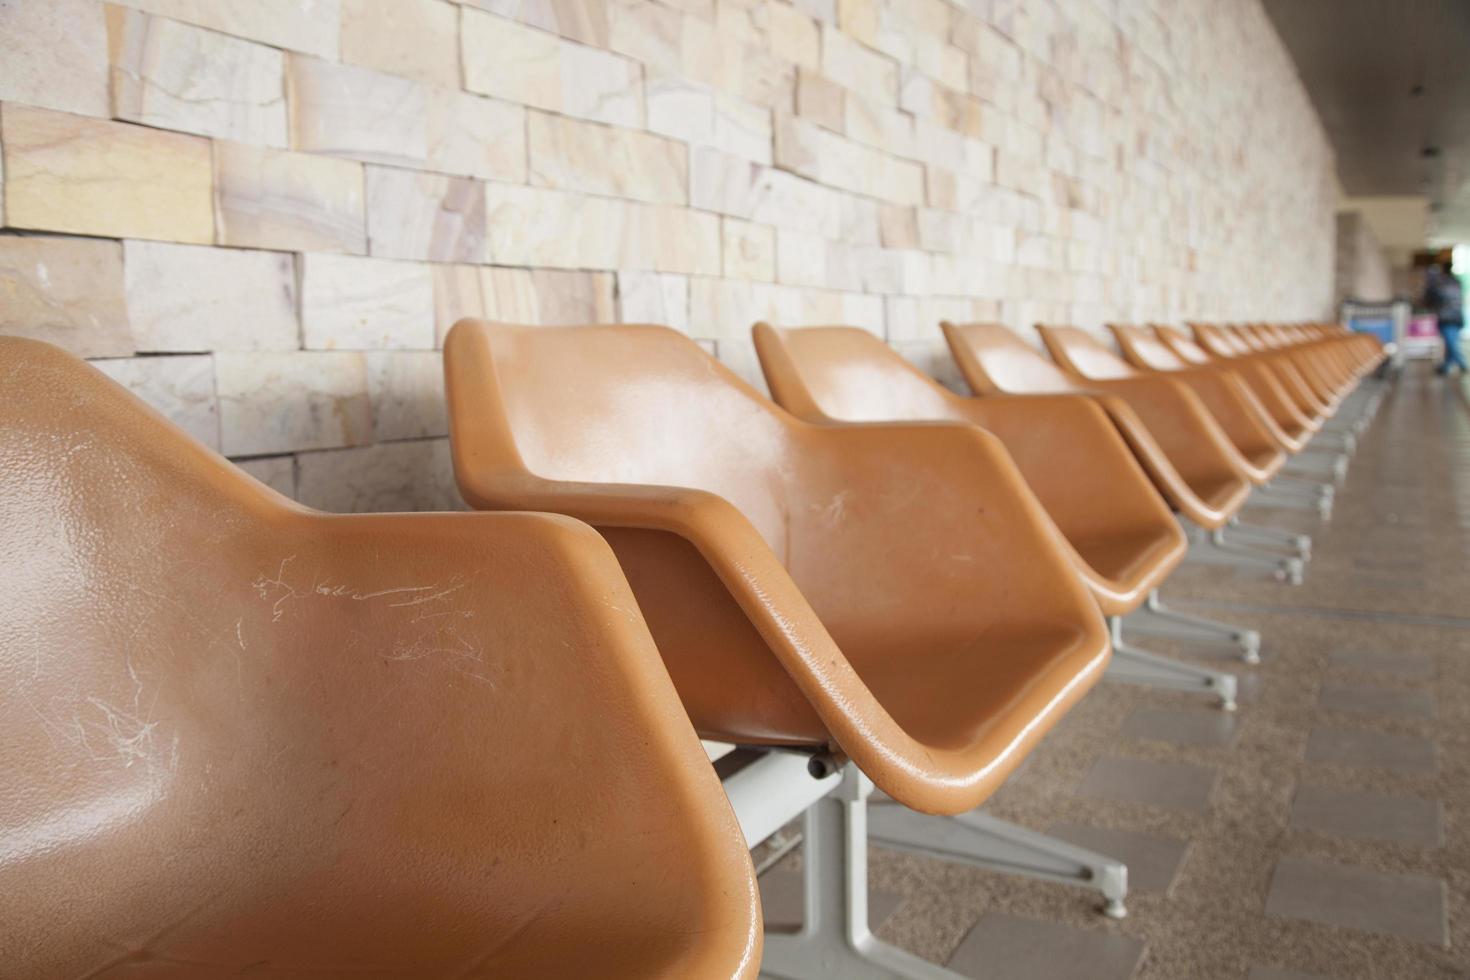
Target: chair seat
(1135, 561)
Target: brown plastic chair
(1122, 536)
(886, 593)
(240, 736)
(1308, 392)
(1142, 348)
(1291, 413)
(1085, 357)
(1189, 459)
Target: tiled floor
(1322, 832)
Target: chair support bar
(1293, 541)
(1213, 549)
(835, 941)
(1131, 665)
(1153, 618)
(987, 842)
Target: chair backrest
(1218, 340)
(1182, 344)
(1080, 352)
(234, 731)
(995, 360)
(637, 404)
(1144, 349)
(846, 374)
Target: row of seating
(250, 735)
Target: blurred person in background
(1444, 297)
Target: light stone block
(192, 298)
(277, 402)
(55, 55)
(456, 296)
(653, 297)
(472, 136)
(801, 260)
(295, 201)
(91, 177)
(535, 226)
(749, 250)
(414, 215)
(175, 76)
(65, 291)
(648, 32)
(743, 129)
(521, 64)
(312, 26)
(859, 68)
(794, 36)
(572, 155)
(347, 111)
(671, 239)
(821, 100)
(354, 303)
(586, 21)
(179, 388)
(386, 478)
(547, 296)
(414, 38)
(681, 109)
(276, 472)
(407, 390)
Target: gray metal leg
(834, 941)
(993, 844)
(1153, 618)
(1130, 665)
(1294, 541)
(1214, 549)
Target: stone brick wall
(262, 215)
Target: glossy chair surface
(882, 592)
(1124, 539)
(243, 737)
(1290, 414)
(1259, 455)
(1146, 350)
(1179, 445)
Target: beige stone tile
(407, 389)
(572, 155)
(389, 477)
(55, 55)
(297, 25)
(474, 136)
(899, 226)
(179, 388)
(75, 174)
(794, 36)
(276, 472)
(456, 296)
(743, 129)
(65, 291)
(749, 250)
(649, 32)
(195, 298)
(765, 79)
(521, 64)
(347, 111)
(579, 20)
(671, 239)
(413, 215)
(801, 260)
(654, 297)
(547, 296)
(859, 68)
(278, 199)
(820, 99)
(414, 38)
(175, 76)
(535, 226)
(354, 303)
(680, 108)
(278, 402)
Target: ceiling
(1361, 61)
